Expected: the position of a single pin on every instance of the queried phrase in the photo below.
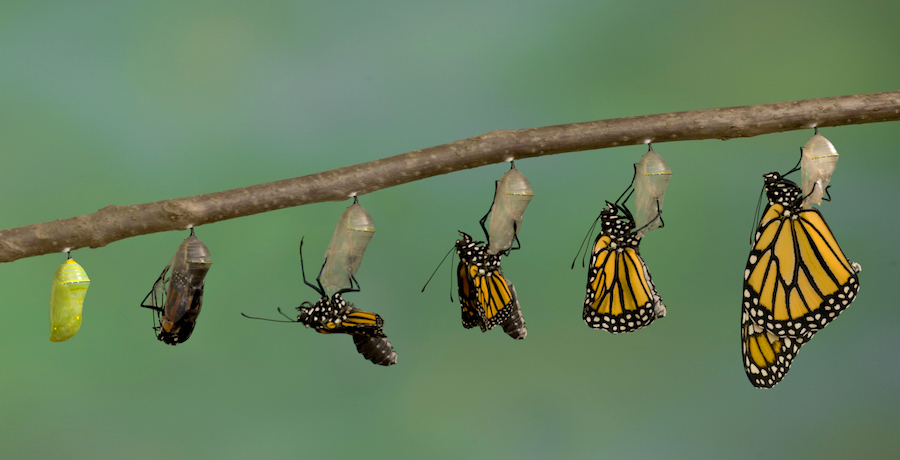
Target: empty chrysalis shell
(817, 163)
(651, 177)
(344, 255)
(70, 284)
(510, 200)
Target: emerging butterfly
(487, 298)
(620, 293)
(797, 278)
(177, 299)
(333, 315)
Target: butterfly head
(313, 315)
(469, 249)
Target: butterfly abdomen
(376, 349)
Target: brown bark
(113, 223)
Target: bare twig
(114, 223)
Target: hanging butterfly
(486, 297)
(620, 293)
(333, 315)
(177, 299)
(69, 286)
(797, 278)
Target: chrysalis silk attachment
(70, 284)
(510, 200)
(651, 176)
(182, 291)
(817, 163)
(354, 230)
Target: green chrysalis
(70, 284)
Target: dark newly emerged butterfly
(333, 315)
(177, 294)
(487, 298)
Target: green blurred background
(108, 102)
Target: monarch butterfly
(177, 299)
(651, 177)
(797, 278)
(511, 197)
(333, 315)
(818, 159)
(767, 357)
(69, 286)
(620, 293)
(486, 297)
(344, 255)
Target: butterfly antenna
(272, 320)
(590, 231)
(436, 269)
(756, 216)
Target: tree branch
(113, 223)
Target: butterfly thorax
(783, 192)
(620, 229)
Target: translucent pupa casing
(70, 284)
(184, 294)
(651, 177)
(344, 255)
(510, 200)
(817, 163)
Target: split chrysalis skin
(351, 237)
(511, 197)
(651, 177)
